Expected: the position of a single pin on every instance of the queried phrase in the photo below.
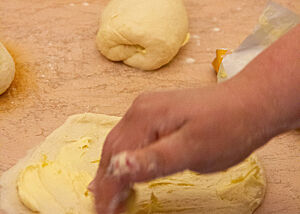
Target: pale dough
(145, 34)
(53, 178)
(7, 69)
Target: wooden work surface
(60, 73)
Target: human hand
(204, 130)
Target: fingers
(164, 157)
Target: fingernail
(92, 186)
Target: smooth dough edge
(7, 69)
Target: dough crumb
(190, 60)
(216, 29)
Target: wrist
(268, 87)
(255, 111)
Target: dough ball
(145, 34)
(7, 69)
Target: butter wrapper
(274, 22)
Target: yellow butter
(57, 186)
(57, 178)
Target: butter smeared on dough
(58, 186)
(239, 190)
(54, 179)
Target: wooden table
(60, 73)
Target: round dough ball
(145, 34)
(7, 69)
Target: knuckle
(142, 98)
(140, 104)
(109, 139)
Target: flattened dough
(145, 34)
(53, 178)
(7, 69)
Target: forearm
(269, 87)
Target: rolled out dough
(53, 178)
(7, 69)
(145, 34)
